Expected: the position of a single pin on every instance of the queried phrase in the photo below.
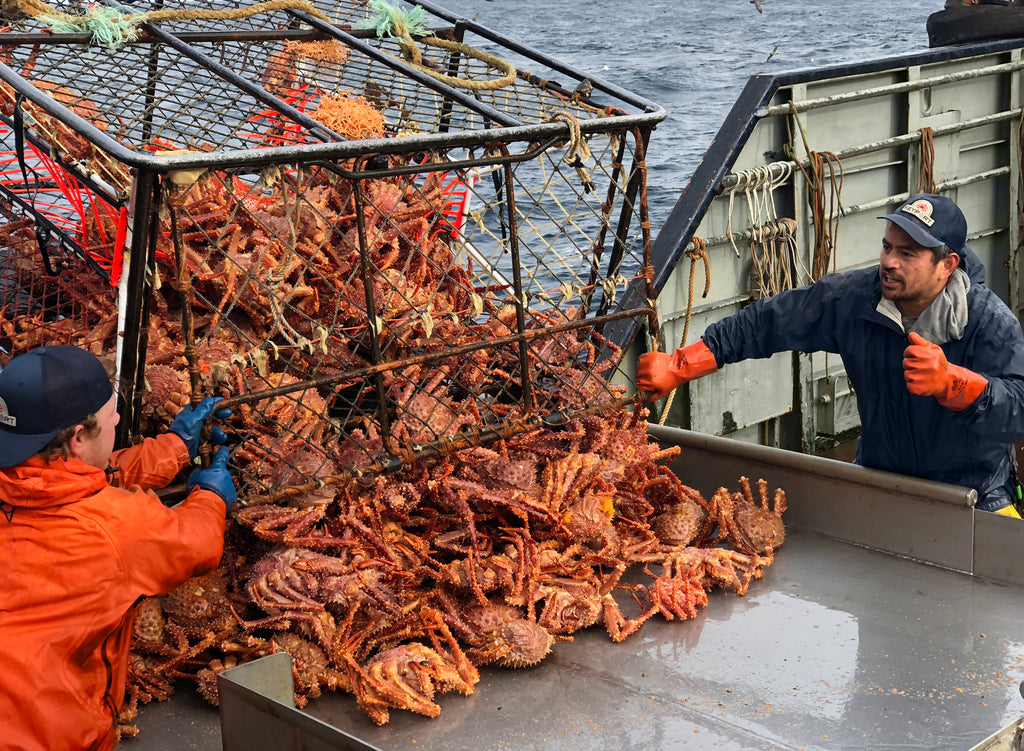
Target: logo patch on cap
(6, 417)
(921, 210)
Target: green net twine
(391, 20)
(110, 27)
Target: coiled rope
(113, 27)
(825, 210)
(770, 239)
(775, 265)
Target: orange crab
(750, 527)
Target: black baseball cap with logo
(44, 391)
(931, 221)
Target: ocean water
(695, 56)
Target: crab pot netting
(394, 294)
(226, 94)
(359, 311)
(48, 292)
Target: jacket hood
(38, 484)
(970, 263)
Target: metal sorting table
(845, 643)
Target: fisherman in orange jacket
(82, 539)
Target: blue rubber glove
(216, 479)
(188, 425)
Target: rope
(112, 27)
(697, 253)
(926, 180)
(579, 150)
(776, 264)
(749, 182)
(396, 22)
(823, 208)
(823, 211)
(463, 83)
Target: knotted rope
(926, 179)
(770, 239)
(579, 150)
(698, 252)
(403, 25)
(113, 27)
(774, 267)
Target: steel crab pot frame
(375, 249)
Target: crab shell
(149, 621)
(680, 524)
(516, 474)
(530, 643)
(167, 391)
(760, 528)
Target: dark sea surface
(693, 57)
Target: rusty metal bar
(382, 367)
(447, 445)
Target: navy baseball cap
(931, 221)
(44, 391)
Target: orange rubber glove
(929, 373)
(661, 372)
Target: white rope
(772, 242)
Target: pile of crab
(392, 586)
(396, 587)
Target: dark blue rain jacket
(900, 432)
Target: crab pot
(402, 263)
(372, 252)
(52, 288)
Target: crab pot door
(52, 290)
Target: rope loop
(579, 150)
(114, 27)
(699, 252)
(392, 21)
(775, 261)
(825, 207)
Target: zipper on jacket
(108, 698)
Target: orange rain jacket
(76, 553)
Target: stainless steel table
(844, 644)
(838, 646)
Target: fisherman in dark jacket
(935, 357)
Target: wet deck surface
(838, 646)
